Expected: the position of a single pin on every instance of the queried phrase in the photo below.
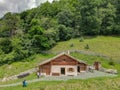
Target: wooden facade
(97, 65)
(45, 68)
(64, 60)
(62, 64)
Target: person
(38, 74)
(24, 83)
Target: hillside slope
(104, 45)
(107, 46)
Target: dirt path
(85, 75)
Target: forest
(39, 29)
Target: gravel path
(64, 78)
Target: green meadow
(89, 84)
(104, 45)
(17, 67)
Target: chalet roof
(46, 61)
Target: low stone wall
(20, 75)
(78, 51)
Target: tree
(46, 9)
(65, 17)
(65, 33)
(48, 23)
(40, 42)
(6, 45)
(12, 23)
(35, 30)
(108, 21)
(90, 22)
(117, 19)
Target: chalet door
(63, 71)
(78, 68)
(47, 71)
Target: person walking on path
(38, 74)
(24, 83)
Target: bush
(81, 39)
(87, 46)
(111, 63)
(71, 45)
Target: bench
(23, 75)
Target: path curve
(85, 75)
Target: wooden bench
(23, 75)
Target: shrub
(87, 46)
(71, 45)
(111, 63)
(81, 39)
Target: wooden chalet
(62, 64)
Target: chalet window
(70, 69)
(64, 60)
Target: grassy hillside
(90, 84)
(91, 59)
(109, 46)
(17, 67)
(106, 45)
(87, 58)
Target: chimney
(68, 52)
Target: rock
(112, 71)
(4, 79)
(102, 69)
(9, 67)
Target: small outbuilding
(97, 65)
(62, 64)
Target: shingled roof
(46, 61)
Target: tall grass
(106, 45)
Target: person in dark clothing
(24, 83)
(38, 74)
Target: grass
(106, 45)
(89, 84)
(30, 77)
(91, 59)
(17, 67)
(87, 58)
(109, 46)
